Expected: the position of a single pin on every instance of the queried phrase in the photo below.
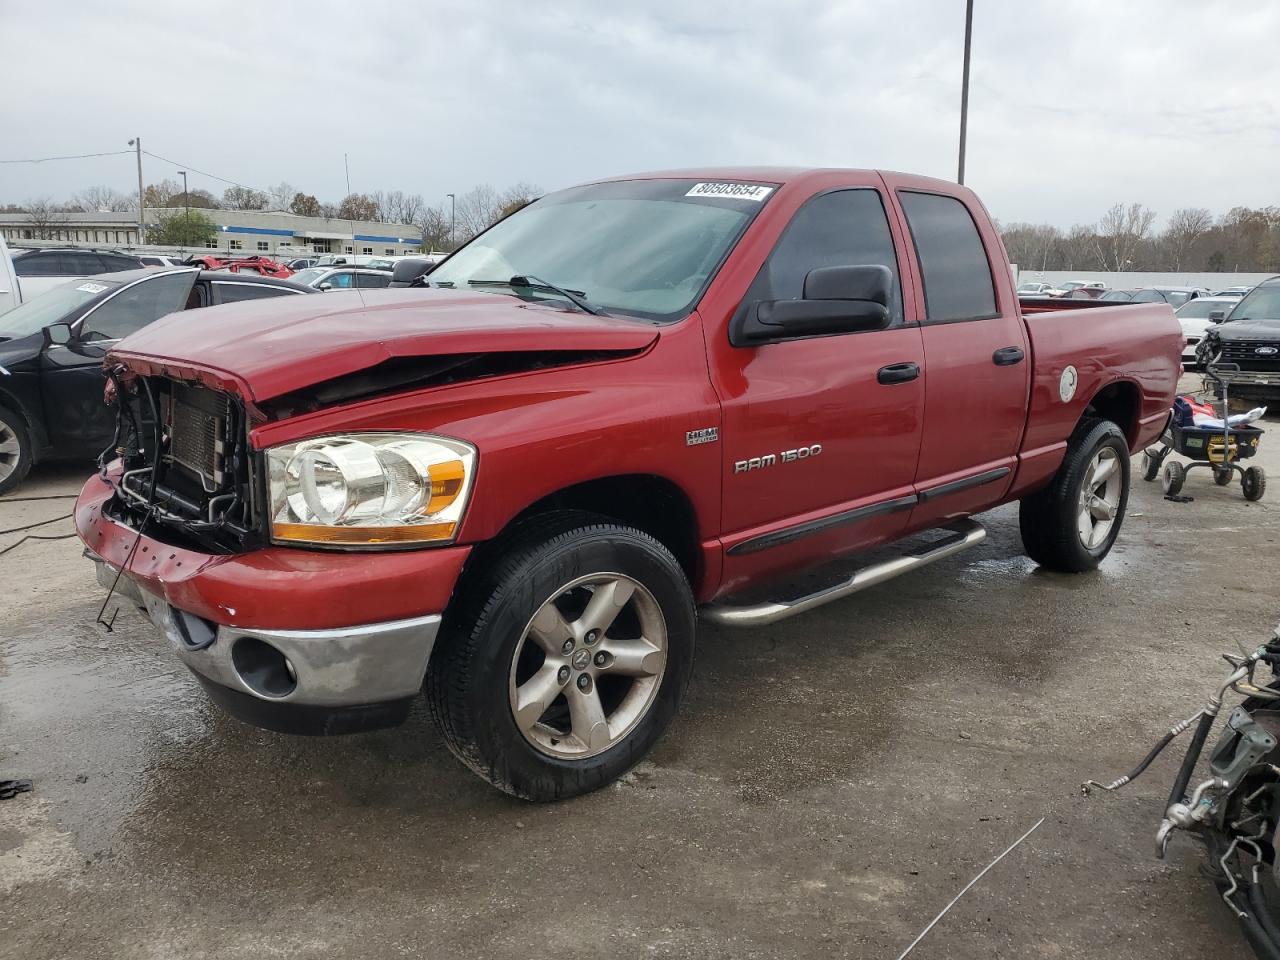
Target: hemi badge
(705, 435)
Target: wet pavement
(832, 782)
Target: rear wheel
(15, 450)
(1254, 483)
(1172, 478)
(566, 660)
(1073, 523)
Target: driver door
(71, 377)
(821, 434)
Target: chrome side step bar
(966, 533)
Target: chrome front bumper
(346, 666)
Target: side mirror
(59, 333)
(324, 286)
(835, 300)
(1217, 316)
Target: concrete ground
(833, 781)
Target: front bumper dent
(334, 680)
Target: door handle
(1007, 356)
(898, 373)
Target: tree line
(443, 226)
(1243, 240)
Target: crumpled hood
(280, 345)
(1247, 330)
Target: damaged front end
(188, 471)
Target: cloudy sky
(1075, 104)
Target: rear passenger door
(976, 354)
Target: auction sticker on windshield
(731, 191)
(91, 287)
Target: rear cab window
(953, 261)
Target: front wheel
(566, 660)
(1072, 524)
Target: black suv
(1249, 336)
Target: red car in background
(263, 266)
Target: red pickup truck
(618, 410)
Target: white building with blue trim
(239, 231)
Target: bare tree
(396, 206)
(45, 217)
(244, 198)
(281, 195)
(1031, 245)
(100, 198)
(434, 224)
(515, 197)
(161, 194)
(477, 209)
(1120, 233)
(1186, 226)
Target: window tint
(38, 265)
(340, 281)
(138, 305)
(953, 263)
(83, 264)
(368, 280)
(235, 292)
(1148, 296)
(112, 262)
(846, 228)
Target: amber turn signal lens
(320, 533)
(446, 484)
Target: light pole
(142, 213)
(186, 211)
(964, 86)
(453, 221)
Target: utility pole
(142, 212)
(453, 222)
(186, 211)
(964, 86)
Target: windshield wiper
(577, 297)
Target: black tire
(470, 669)
(1150, 465)
(1048, 518)
(1254, 483)
(15, 450)
(1223, 475)
(1173, 477)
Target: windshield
(642, 247)
(1176, 298)
(54, 306)
(1029, 288)
(1072, 284)
(1262, 304)
(309, 275)
(1202, 307)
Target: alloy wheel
(588, 666)
(1099, 498)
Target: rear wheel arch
(1120, 402)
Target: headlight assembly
(370, 489)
